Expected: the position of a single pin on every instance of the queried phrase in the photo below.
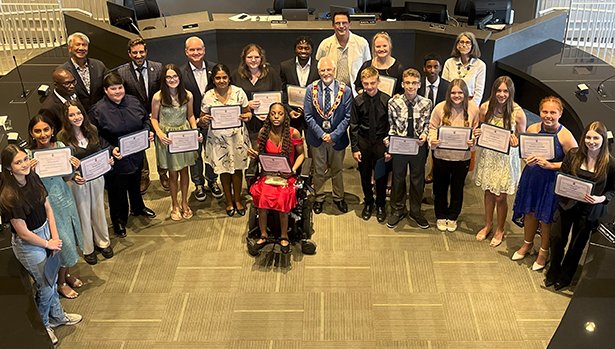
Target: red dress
(275, 197)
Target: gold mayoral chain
(338, 100)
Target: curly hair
(264, 133)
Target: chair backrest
(278, 5)
(145, 9)
(373, 6)
(462, 8)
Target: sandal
(73, 282)
(284, 248)
(263, 243)
(70, 294)
(483, 233)
(187, 213)
(496, 241)
(176, 214)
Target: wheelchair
(300, 223)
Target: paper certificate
(134, 142)
(387, 84)
(296, 95)
(572, 187)
(274, 163)
(266, 99)
(53, 162)
(183, 141)
(456, 138)
(95, 165)
(494, 138)
(403, 145)
(225, 116)
(539, 145)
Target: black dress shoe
(549, 282)
(317, 207)
(107, 252)
(215, 190)
(90, 258)
(241, 212)
(230, 212)
(381, 214)
(120, 230)
(146, 212)
(561, 284)
(366, 214)
(341, 205)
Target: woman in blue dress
(63, 205)
(536, 200)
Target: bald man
(64, 90)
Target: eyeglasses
(464, 43)
(172, 77)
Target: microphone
(600, 89)
(164, 19)
(24, 92)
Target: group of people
(91, 108)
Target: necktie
(327, 99)
(372, 112)
(141, 80)
(410, 131)
(431, 96)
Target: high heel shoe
(496, 241)
(536, 266)
(519, 256)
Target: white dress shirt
(303, 72)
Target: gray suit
(97, 73)
(131, 83)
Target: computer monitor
(500, 9)
(122, 17)
(427, 12)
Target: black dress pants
(417, 181)
(370, 154)
(449, 174)
(122, 188)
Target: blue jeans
(35, 260)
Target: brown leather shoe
(164, 181)
(144, 185)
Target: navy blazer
(131, 84)
(339, 120)
(192, 86)
(97, 73)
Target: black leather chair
(462, 8)
(144, 9)
(278, 5)
(373, 6)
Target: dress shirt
(200, 75)
(473, 74)
(303, 72)
(334, 90)
(435, 85)
(73, 97)
(84, 73)
(144, 75)
(399, 113)
(365, 123)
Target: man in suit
(197, 74)
(433, 87)
(299, 71)
(64, 90)
(142, 79)
(328, 103)
(88, 72)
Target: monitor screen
(500, 9)
(122, 17)
(427, 12)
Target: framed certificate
(387, 84)
(494, 138)
(572, 187)
(183, 141)
(537, 144)
(455, 138)
(134, 142)
(53, 162)
(403, 145)
(296, 95)
(95, 165)
(274, 163)
(266, 99)
(225, 116)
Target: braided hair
(264, 134)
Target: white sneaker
(69, 320)
(52, 335)
(441, 224)
(451, 225)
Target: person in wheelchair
(276, 191)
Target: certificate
(134, 142)
(572, 187)
(266, 99)
(494, 138)
(535, 144)
(53, 162)
(456, 138)
(183, 141)
(95, 165)
(296, 95)
(403, 145)
(275, 163)
(225, 116)
(387, 84)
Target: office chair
(373, 6)
(144, 9)
(462, 8)
(278, 5)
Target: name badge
(326, 124)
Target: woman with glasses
(465, 64)
(172, 111)
(387, 65)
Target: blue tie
(327, 99)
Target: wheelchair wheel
(308, 246)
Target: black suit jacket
(97, 73)
(288, 76)
(131, 84)
(192, 86)
(442, 87)
(54, 108)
